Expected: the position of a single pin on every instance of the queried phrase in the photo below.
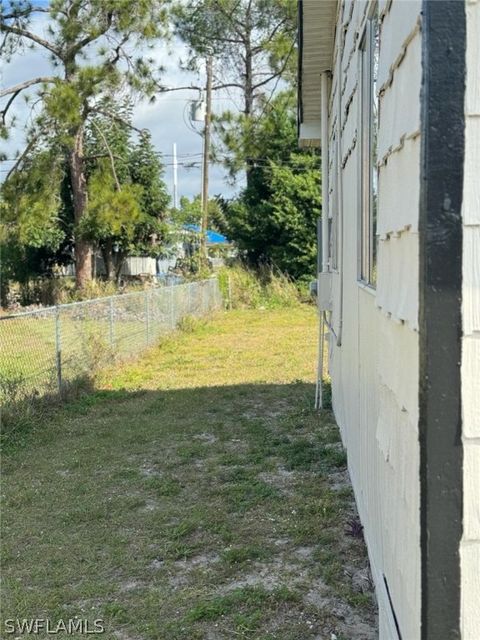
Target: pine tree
(94, 47)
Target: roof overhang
(316, 42)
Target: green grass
(194, 494)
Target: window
(369, 50)
(333, 208)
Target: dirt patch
(148, 471)
(149, 505)
(281, 479)
(208, 438)
(157, 564)
(131, 585)
(304, 553)
(270, 576)
(201, 560)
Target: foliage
(126, 208)
(274, 218)
(253, 47)
(146, 170)
(111, 212)
(29, 207)
(190, 212)
(127, 196)
(252, 41)
(93, 48)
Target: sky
(165, 118)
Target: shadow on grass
(31, 421)
(208, 503)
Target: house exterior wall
(375, 370)
(470, 546)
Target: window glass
(369, 54)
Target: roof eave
(316, 44)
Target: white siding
(401, 22)
(375, 370)
(470, 549)
(397, 289)
(400, 206)
(399, 113)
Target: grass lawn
(194, 495)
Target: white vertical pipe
(325, 177)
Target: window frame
(368, 172)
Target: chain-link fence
(43, 352)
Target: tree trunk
(83, 250)
(107, 255)
(120, 259)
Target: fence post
(112, 338)
(147, 322)
(58, 349)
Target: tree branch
(268, 38)
(7, 107)
(229, 16)
(117, 118)
(110, 154)
(22, 157)
(186, 88)
(227, 85)
(25, 12)
(96, 156)
(28, 83)
(278, 74)
(78, 46)
(23, 33)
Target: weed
(240, 555)
(191, 324)
(354, 528)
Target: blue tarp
(213, 237)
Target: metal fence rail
(43, 352)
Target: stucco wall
(470, 548)
(375, 370)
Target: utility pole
(175, 177)
(206, 159)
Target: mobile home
(390, 92)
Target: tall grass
(62, 290)
(263, 288)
